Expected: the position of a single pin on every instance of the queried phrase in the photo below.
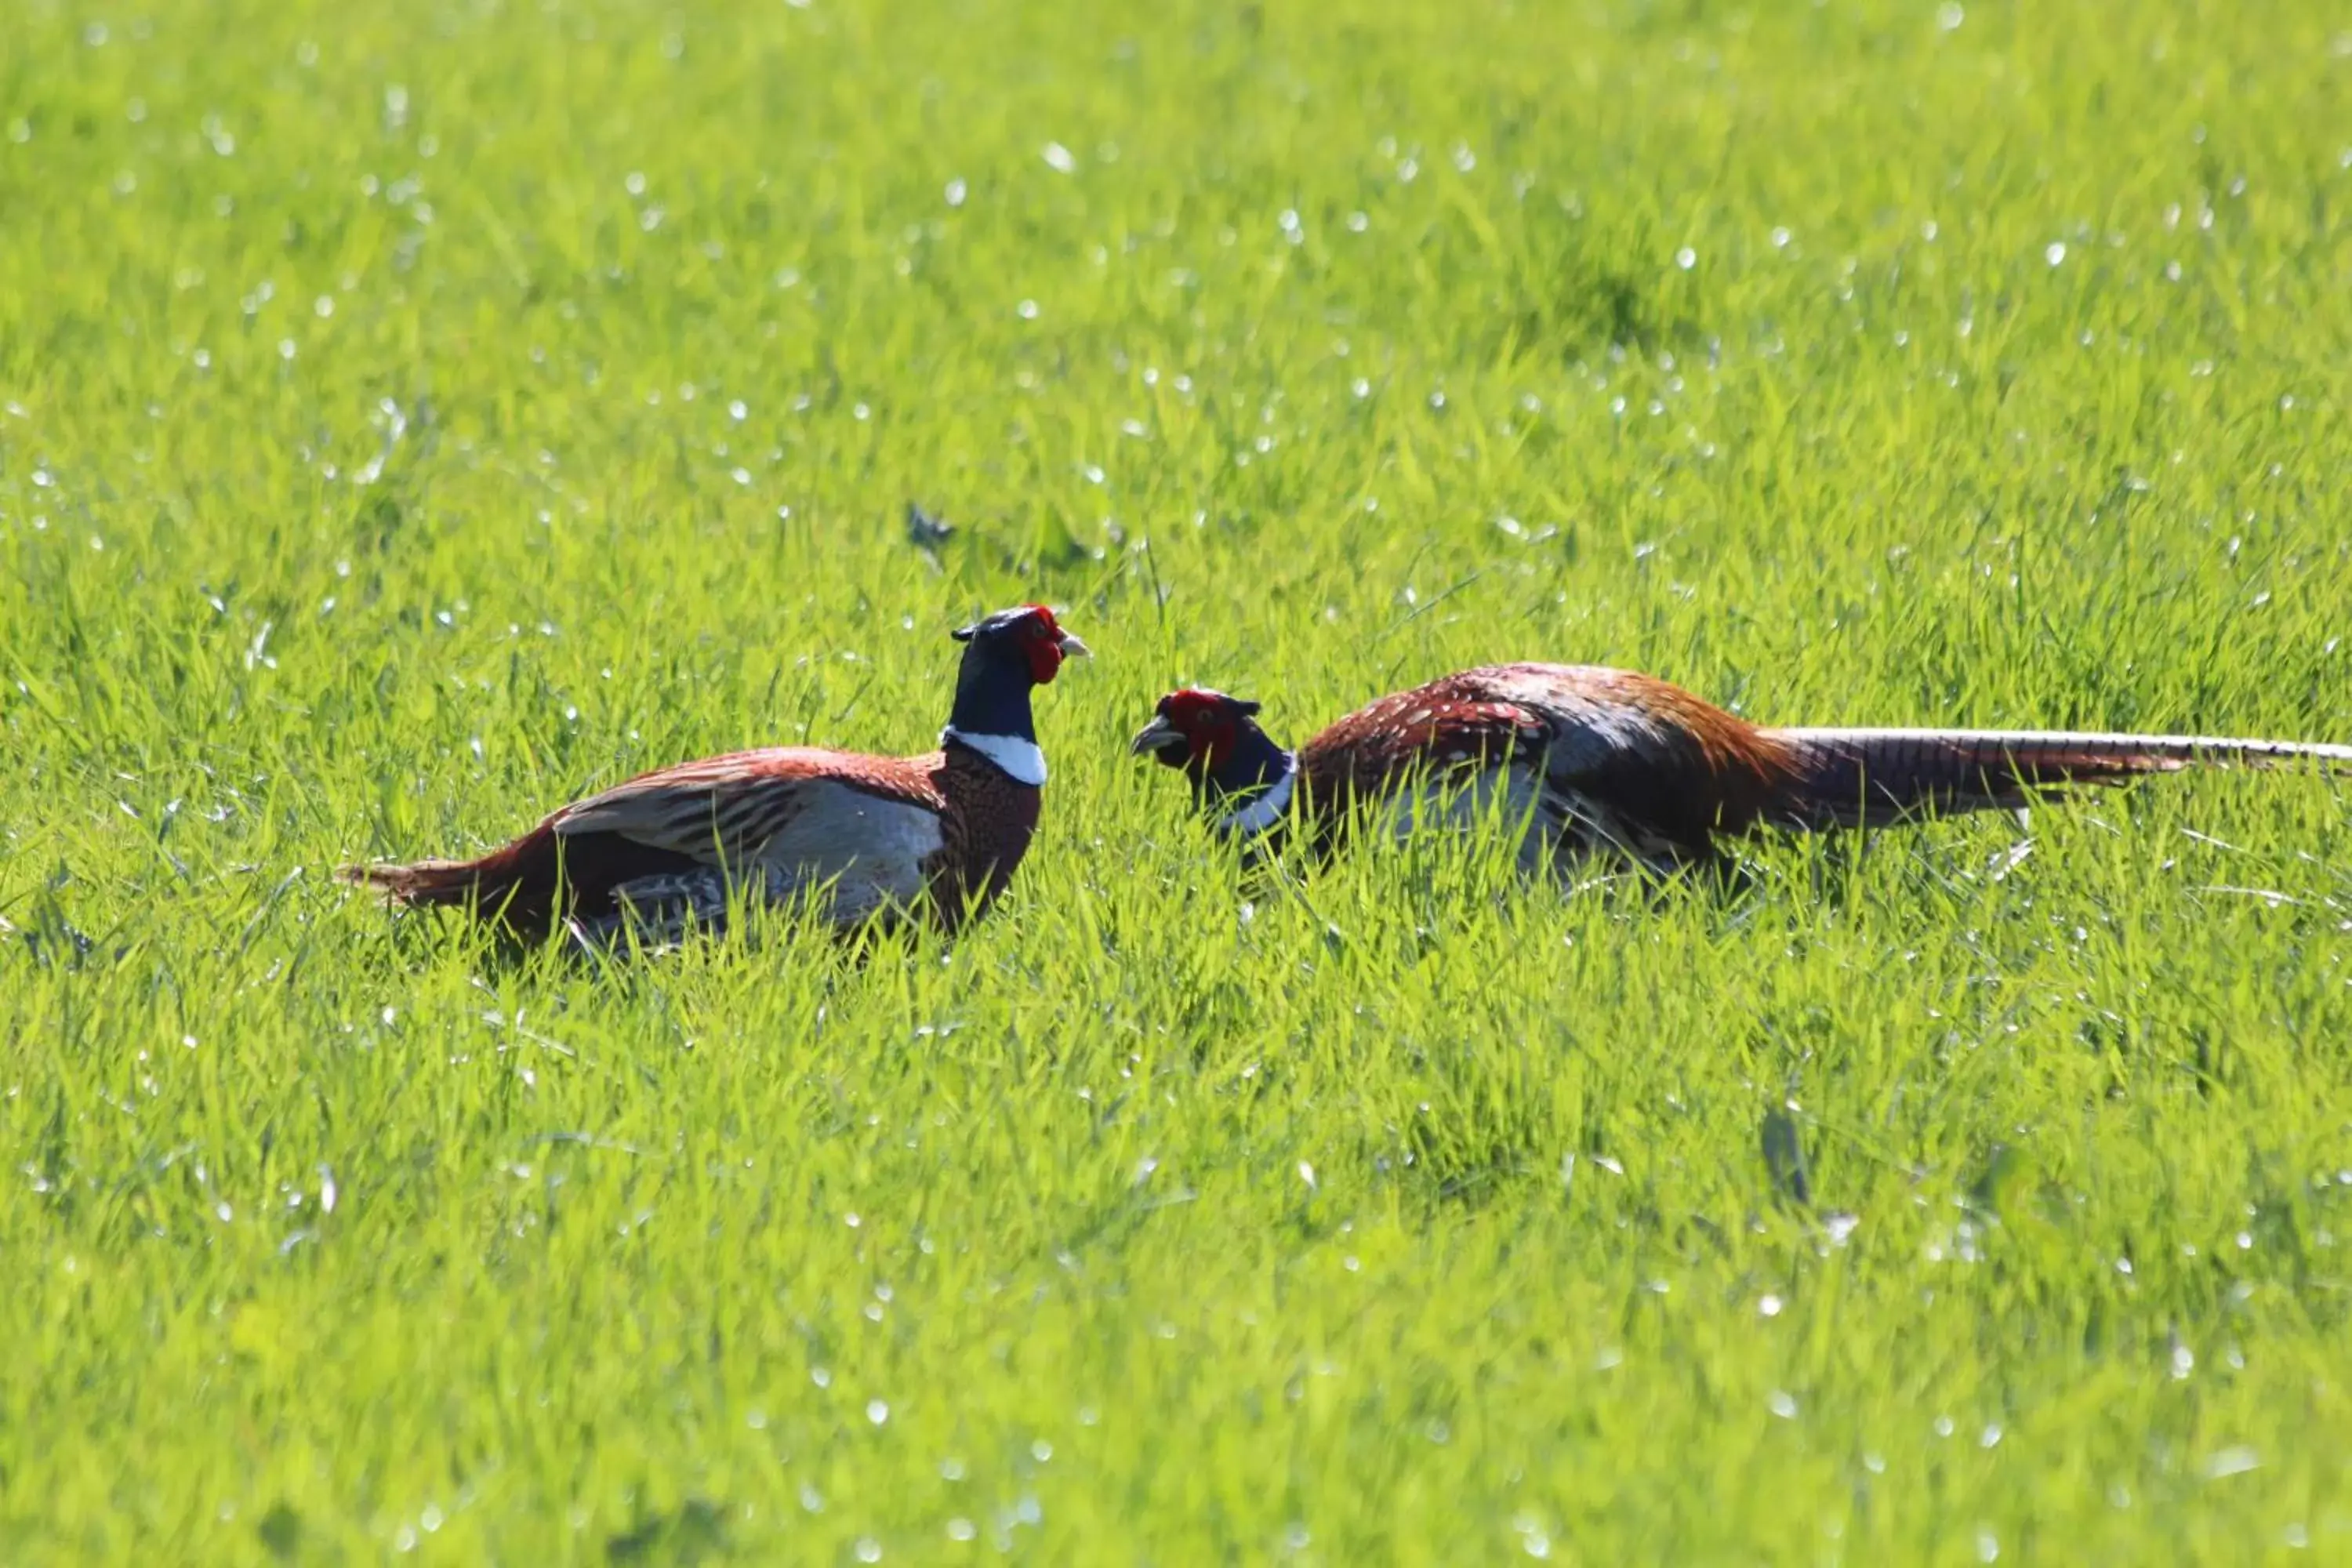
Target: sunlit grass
(413, 416)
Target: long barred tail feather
(533, 881)
(1867, 778)
(422, 882)
(516, 883)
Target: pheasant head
(1025, 642)
(1236, 769)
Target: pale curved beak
(1073, 648)
(1159, 735)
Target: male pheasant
(940, 834)
(1609, 762)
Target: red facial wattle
(1043, 643)
(1210, 736)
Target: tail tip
(399, 884)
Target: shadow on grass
(694, 1532)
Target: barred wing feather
(730, 810)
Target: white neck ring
(1265, 808)
(1018, 759)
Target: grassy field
(411, 417)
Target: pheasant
(882, 836)
(1617, 764)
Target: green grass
(414, 416)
